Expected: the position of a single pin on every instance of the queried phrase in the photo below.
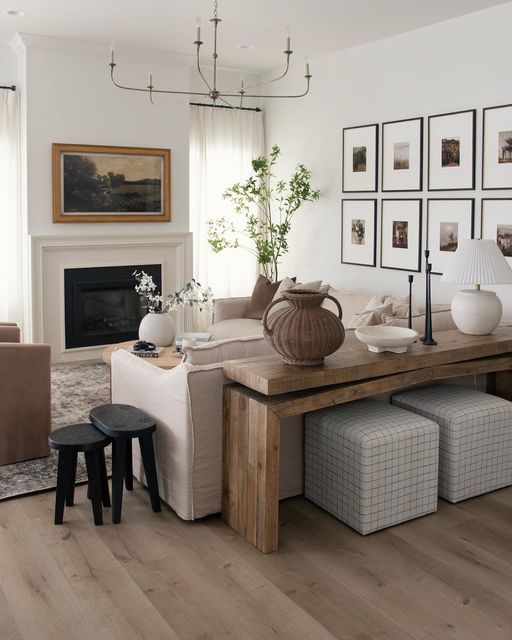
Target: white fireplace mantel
(51, 255)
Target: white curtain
(11, 280)
(222, 144)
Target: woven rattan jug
(302, 331)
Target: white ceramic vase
(158, 328)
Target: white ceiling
(317, 26)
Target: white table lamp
(477, 311)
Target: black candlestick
(427, 339)
(410, 278)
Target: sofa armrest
(9, 332)
(25, 397)
(230, 308)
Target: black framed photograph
(400, 235)
(359, 232)
(497, 224)
(402, 155)
(451, 151)
(448, 222)
(360, 152)
(497, 148)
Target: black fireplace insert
(101, 304)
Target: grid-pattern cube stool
(475, 437)
(370, 464)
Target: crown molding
(21, 42)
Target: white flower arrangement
(191, 294)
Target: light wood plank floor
(447, 576)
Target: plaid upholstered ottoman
(370, 464)
(475, 437)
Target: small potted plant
(157, 326)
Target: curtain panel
(11, 281)
(222, 144)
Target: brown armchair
(25, 397)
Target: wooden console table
(269, 391)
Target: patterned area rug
(76, 389)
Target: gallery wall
(459, 64)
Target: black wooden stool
(122, 422)
(69, 442)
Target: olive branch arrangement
(266, 208)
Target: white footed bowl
(385, 338)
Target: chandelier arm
(199, 69)
(298, 95)
(266, 82)
(226, 102)
(146, 90)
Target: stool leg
(105, 494)
(148, 458)
(63, 466)
(118, 472)
(93, 474)
(128, 479)
(70, 493)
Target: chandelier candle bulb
(150, 80)
(198, 29)
(112, 53)
(288, 40)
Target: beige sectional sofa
(230, 319)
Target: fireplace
(101, 305)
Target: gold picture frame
(98, 183)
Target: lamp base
(476, 311)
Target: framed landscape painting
(402, 155)
(359, 232)
(400, 235)
(448, 222)
(451, 151)
(497, 224)
(497, 148)
(360, 158)
(93, 183)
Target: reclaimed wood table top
(166, 360)
(269, 375)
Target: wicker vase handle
(265, 314)
(340, 310)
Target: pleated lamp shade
(478, 262)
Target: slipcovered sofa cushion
(238, 328)
(221, 350)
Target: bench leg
(128, 479)
(70, 493)
(93, 474)
(118, 473)
(148, 458)
(63, 473)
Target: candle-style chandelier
(214, 93)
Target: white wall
(8, 65)
(460, 64)
(70, 99)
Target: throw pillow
(375, 302)
(370, 317)
(401, 306)
(262, 295)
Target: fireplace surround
(51, 256)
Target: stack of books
(144, 353)
(198, 337)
